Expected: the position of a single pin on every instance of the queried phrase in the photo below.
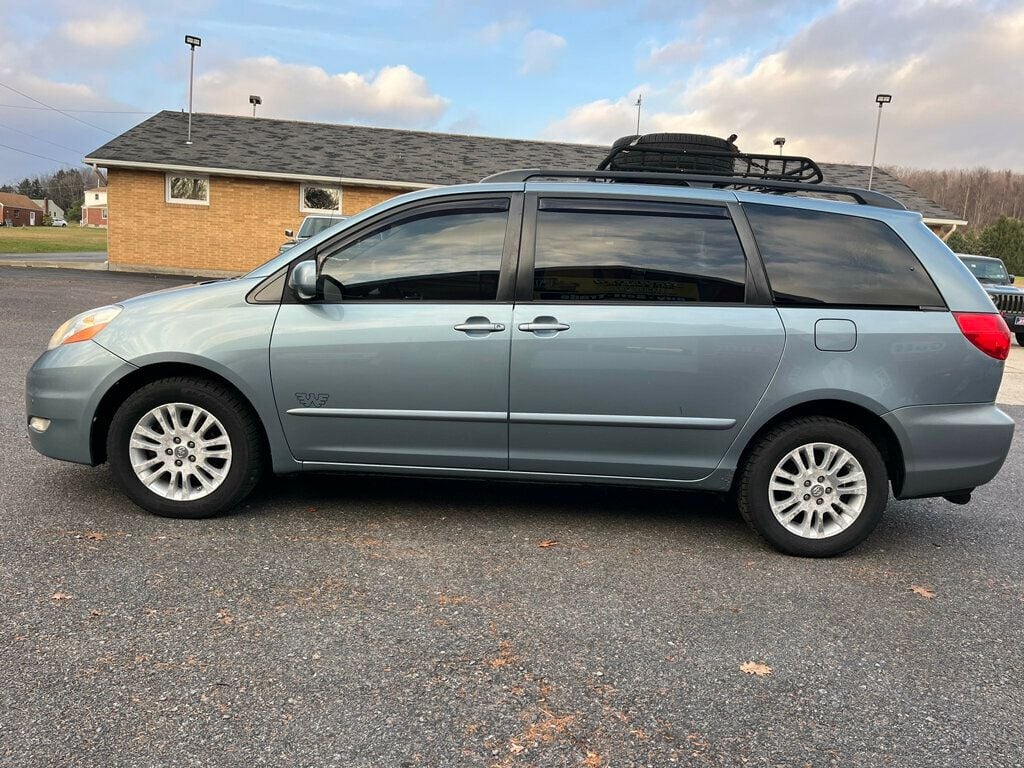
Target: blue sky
(554, 70)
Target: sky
(565, 71)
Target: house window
(103, 214)
(188, 189)
(315, 198)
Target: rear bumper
(65, 385)
(949, 448)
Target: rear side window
(829, 258)
(589, 251)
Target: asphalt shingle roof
(15, 200)
(385, 154)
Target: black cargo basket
(638, 155)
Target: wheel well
(876, 430)
(117, 394)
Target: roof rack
(718, 181)
(676, 159)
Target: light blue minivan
(802, 354)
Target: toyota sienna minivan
(804, 355)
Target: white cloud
(540, 52)
(106, 30)
(497, 31)
(394, 95)
(953, 69)
(677, 52)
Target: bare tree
(979, 195)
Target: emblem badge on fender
(312, 399)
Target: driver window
(446, 255)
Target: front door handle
(479, 326)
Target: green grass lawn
(52, 239)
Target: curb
(92, 265)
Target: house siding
(242, 226)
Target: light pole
(882, 98)
(780, 142)
(254, 100)
(192, 42)
(639, 103)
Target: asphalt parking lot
(357, 621)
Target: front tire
(813, 487)
(185, 448)
(1020, 339)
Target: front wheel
(814, 487)
(1020, 339)
(185, 448)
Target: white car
(58, 222)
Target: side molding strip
(599, 420)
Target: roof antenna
(638, 105)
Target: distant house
(50, 208)
(94, 207)
(18, 211)
(222, 202)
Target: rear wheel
(185, 447)
(814, 487)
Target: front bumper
(65, 385)
(948, 448)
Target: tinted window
(452, 255)
(829, 258)
(637, 255)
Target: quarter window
(815, 258)
(187, 189)
(446, 255)
(314, 198)
(662, 253)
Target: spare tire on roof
(671, 151)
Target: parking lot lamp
(192, 42)
(254, 100)
(780, 142)
(882, 98)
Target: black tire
(752, 490)
(1020, 339)
(636, 159)
(239, 421)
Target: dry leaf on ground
(60, 596)
(924, 592)
(547, 543)
(756, 668)
(95, 535)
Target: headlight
(84, 326)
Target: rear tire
(804, 498)
(185, 448)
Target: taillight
(988, 332)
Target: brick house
(19, 211)
(221, 204)
(94, 207)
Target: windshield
(315, 225)
(987, 271)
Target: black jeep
(994, 278)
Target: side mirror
(1012, 278)
(303, 280)
(289, 233)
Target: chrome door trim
(389, 413)
(609, 420)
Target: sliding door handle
(541, 327)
